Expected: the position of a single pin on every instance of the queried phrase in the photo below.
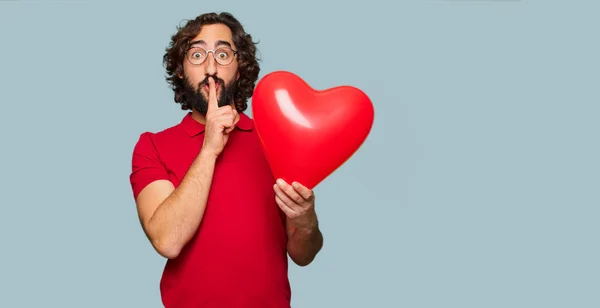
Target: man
(204, 192)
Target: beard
(199, 102)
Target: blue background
(477, 187)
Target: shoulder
(246, 123)
(153, 138)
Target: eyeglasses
(223, 55)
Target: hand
(297, 202)
(220, 121)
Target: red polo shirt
(238, 257)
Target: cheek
(192, 74)
(231, 74)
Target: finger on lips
(228, 116)
(212, 92)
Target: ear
(238, 76)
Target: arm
(303, 243)
(170, 216)
(305, 239)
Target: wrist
(307, 224)
(306, 232)
(208, 154)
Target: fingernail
(280, 181)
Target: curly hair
(248, 62)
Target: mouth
(207, 88)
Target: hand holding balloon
(297, 202)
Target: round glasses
(223, 55)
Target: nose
(211, 65)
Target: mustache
(215, 78)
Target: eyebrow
(219, 43)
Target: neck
(198, 116)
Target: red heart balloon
(307, 134)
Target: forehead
(212, 36)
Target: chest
(242, 163)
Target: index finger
(212, 95)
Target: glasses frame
(208, 51)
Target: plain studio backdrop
(477, 187)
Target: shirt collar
(194, 128)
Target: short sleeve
(146, 166)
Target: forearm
(304, 244)
(177, 218)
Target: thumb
(237, 116)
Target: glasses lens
(197, 55)
(224, 55)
